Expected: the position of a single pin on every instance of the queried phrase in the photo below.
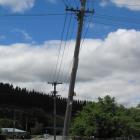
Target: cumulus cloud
(109, 66)
(17, 6)
(132, 5)
(104, 3)
(113, 68)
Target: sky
(37, 40)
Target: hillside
(31, 108)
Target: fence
(2, 137)
(92, 138)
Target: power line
(118, 19)
(115, 21)
(68, 3)
(97, 15)
(75, 3)
(112, 16)
(64, 3)
(60, 46)
(32, 15)
(68, 29)
(107, 24)
(80, 15)
(67, 73)
(133, 4)
(68, 49)
(54, 84)
(88, 25)
(81, 46)
(129, 4)
(61, 61)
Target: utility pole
(26, 126)
(14, 124)
(54, 84)
(80, 16)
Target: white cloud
(129, 4)
(17, 6)
(104, 3)
(24, 33)
(132, 5)
(109, 66)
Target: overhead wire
(61, 70)
(97, 16)
(75, 3)
(110, 24)
(68, 52)
(68, 49)
(32, 15)
(68, 74)
(118, 19)
(72, 58)
(114, 23)
(86, 31)
(128, 4)
(60, 46)
(65, 43)
(64, 2)
(124, 19)
(69, 3)
(132, 3)
(89, 22)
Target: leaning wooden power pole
(80, 15)
(54, 84)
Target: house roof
(11, 130)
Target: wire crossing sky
(37, 40)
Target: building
(17, 133)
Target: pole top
(55, 83)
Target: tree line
(33, 111)
(31, 108)
(107, 119)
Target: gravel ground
(49, 138)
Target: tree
(38, 129)
(105, 119)
(31, 106)
(6, 123)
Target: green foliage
(31, 107)
(6, 123)
(22, 98)
(38, 129)
(106, 119)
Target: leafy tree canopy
(105, 119)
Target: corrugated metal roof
(11, 130)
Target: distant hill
(31, 107)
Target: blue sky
(50, 27)
(109, 58)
